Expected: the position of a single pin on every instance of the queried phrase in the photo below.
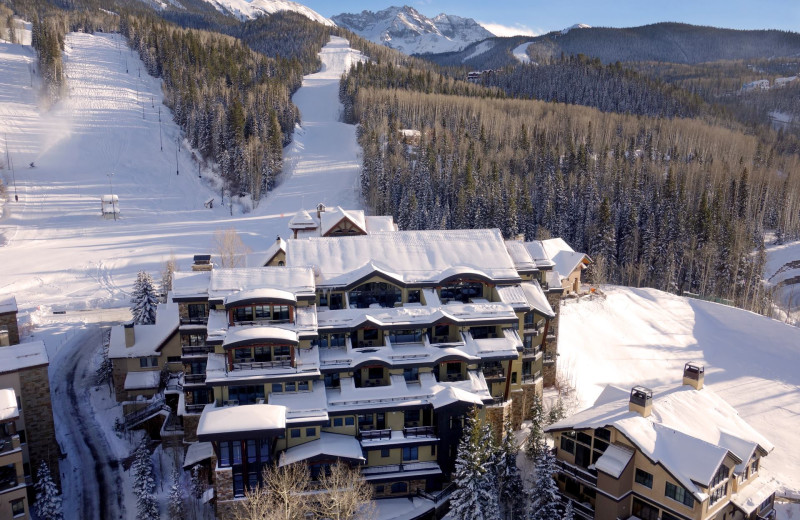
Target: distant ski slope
(644, 337)
(61, 253)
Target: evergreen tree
(476, 492)
(144, 300)
(48, 499)
(106, 368)
(511, 490)
(569, 514)
(534, 443)
(545, 497)
(557, 411)
(144, 484)
(176, 507)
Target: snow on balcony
(328, 444)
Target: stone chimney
(693, 375)
(202, 263)
(320, 210)
(641, 401)
(130, 337)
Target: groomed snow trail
(521, 53)
(644, 337)
(59, 251)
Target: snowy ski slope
(59, 251)
(644, 337)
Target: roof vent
(202, 263)
(693, 375)
(641, 401)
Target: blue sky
(540, 16)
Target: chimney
(130, 337)
(693, 375)
(320, 210)
(641, 401)
(5, 341)
(202, 263)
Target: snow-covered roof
(276, 247)
(8, 304)
(249, 335)
(190, 284)
(197, 452)
(565, 258)
(262, 294)
(380, 223)
(332, 216)
(243, 419)
(749, 497)
(8, 405)
(416, 316)
(513, 295)
(22, 356)
(329, 444)
(109, 198)
(537, 253)
(410, 257)
(521, 257)
(302, 220)
(144, 380)
(689, 431)
(614, 460)
(537, 299)
(303, 407)
(148, 339)
(297, 280)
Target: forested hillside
(675, 204)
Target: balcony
(194, 320)
(531, 378)
(549, 359)
(261, 365)
(194, 408)
(203, 350)
(587, 476)
(495, 375)
(194, 380)
(413, 432)
(531, 353)
(418, 431)
(8, 477)
(375, 435)
(7, 443)
(408, 470)
(581, 510)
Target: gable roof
(22, 356)
(8, 304)
(148, 339)
(689, 432)
(331, 217)
(565, 258)
(412, 257)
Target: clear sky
(541, 16)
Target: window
(238, 485)
(385, 452)
(603, 433)
(667, 516)
(754, 467)
(332, 380)
(410, 453)
(413, 295)
(643, 510)
(338, 421)
(765, 504)
(679, 494)
(224, 454)
(399, 487)
(22, 437)
(18, 507)
(411, 374)
(280, 312)
(295, 433)
(290, 387)
(584, 439)
(718, 493)
(302, 386)
(374, 293)
(246, 394)
(193, 340)
(252, 455)
(442, 331)
(237, 452)
(719, 484)
(349, 421)
(720, 476)
(370, 334)
(379, 490)
(262, 312)
(433, 450)
(513, 378)
(277, 388)
(173, 359)
(148, 362)
(243, 314)
(197, 311)
(375, 373)
(567, 444)
(412, 415)
(405, 336)
(644, 478)
(311, 432)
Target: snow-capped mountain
(576, 26)
(245, 9)
(405, 29)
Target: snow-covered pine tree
(569, 514)
(105, 369)
(143, 300)
(476, 492)
(144, 484)
(48, 499)
(176, 507)
(557, 411)
(545, 498)
(170, 266)
(534, 443)
(511, 489)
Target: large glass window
(460, 291)
(644, 478)
(197, 311)
(280, 312)
(375, 293)
(18, 507)
(405, 336)
(246, 394)
(411, 374)
(410, 453)
(679, 494)
(243, 314)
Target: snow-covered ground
(782, 271)
(644, 336)
(59, 252)
(521, 53)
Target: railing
(375, 435)
(398, 468)
(261, 365)
(264, 321)
(197, 350)
(6, 443)
(577, 472)
(194, 408)
(419, 431)
(174, 384)
(531, 378)
(194, 379)
(582, 510)
(529, 352)
(8, 479)
(549, 359)
(494, 374)
(195, 321)
(156, 406)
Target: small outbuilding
(109, 205)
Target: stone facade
(550, 342)
(190, 423)
(496, 416)
(223, 482)
(38, 410)
(8, 321)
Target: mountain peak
(407, 30)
